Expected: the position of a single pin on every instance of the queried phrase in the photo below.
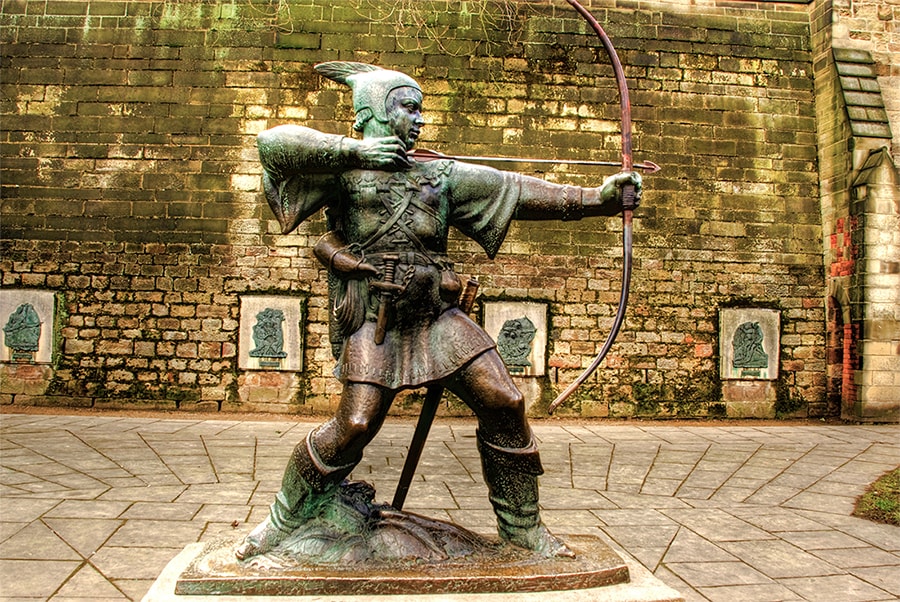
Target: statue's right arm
(287, 150)
(335, 254)
(299, 169)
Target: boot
(307, 482)
(511, 476)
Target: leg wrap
(305, 474)
(305, 486)
(511, 476)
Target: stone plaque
(271, 335)
(749, 343)
(520, 330)
(26, 326)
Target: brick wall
(131, 185)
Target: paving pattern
(94, 506)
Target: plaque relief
(749, 342)
(271, 335)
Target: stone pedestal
(641, 586)
(749, 399)
(27, 322)
(270, 353)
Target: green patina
(696, 396)
(787, 404)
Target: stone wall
(872, 25)
(835, 167)
(131, 186)
(855, 76)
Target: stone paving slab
(95, 506)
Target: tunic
(406, 214)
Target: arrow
(423, 155)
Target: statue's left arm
(484, 200)
(288, 150)
(540, 200)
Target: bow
(433, 395)
(628, 203)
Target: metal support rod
(429, 410)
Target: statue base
(215, 571)
(352, 546)
(224, 586)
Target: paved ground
(93, 507)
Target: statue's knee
(356, 431)
(507, 400)
(517, 400)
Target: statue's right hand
(362, 271)
(387, 153)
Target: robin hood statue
(395, 323)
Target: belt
(410, 258)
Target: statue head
(372, 87)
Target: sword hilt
(390, 268)
(467, 299)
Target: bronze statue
(393, 292)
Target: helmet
(370, 84)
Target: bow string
(628, 204)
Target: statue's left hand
(387, 153)
(612, 187)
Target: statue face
(404, 114)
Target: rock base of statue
(355, 546)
